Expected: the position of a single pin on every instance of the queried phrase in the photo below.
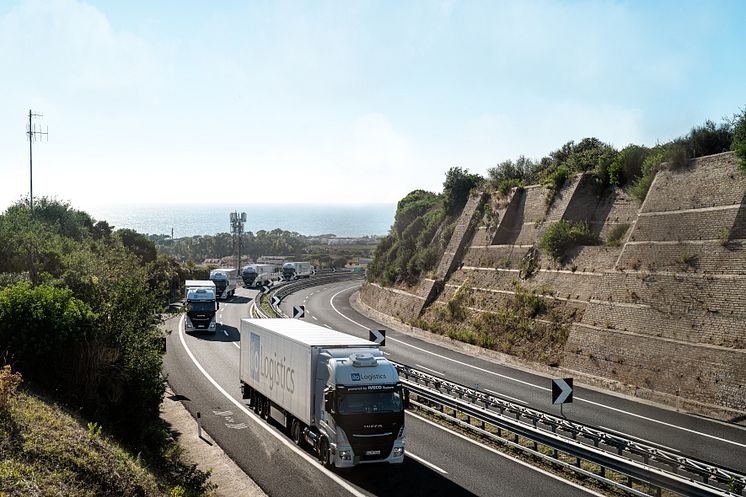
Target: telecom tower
(33, 132)
(237, 222)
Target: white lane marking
(506, 396)
(506, 456)
(431, 370)
(581, 399)
(261, 423)
(426, 463)
(656, 444)
(237, 345)
(315, 318)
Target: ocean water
(347, 220)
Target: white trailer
(295, 270)
(333, 390)
(225, 280)
(259, 274)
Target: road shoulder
(205, 453)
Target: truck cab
(361, 408)
(201, 307)
(288, 271)
(225, 282)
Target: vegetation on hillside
(633, 167)
(47, 451)
(422, 228)
(80, 308)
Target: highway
(695, 436)
(202, 370)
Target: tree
(456, 188)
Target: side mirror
(329, 400)
(218, 305)
(406, 398)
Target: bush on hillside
(456, 188)
(625, 167)
(562, 236)
(95, 300)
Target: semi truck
(259, 274)
(201, 306)
(225, 280)
(333, 391)
(295, 270)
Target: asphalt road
(203, 371)
(721, 443)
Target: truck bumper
(344, 457)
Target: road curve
(203, 371)
(720, 443)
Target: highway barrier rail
(635, 467)
(630, 465)
(264, 306)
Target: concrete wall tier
(705, 182)
(710, 224)
(710, 375)
(565, 284)
(699, 257)
(398, 303)
(505, 256)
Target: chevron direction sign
(377, 336)
(299, 311)
(561, 391)
(276, 300)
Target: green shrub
(616, 234)
(562, 236)
(456, 188)
(626, 166)
(508, 184)
(741, 154)
(650, 167)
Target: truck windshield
(201, 306)
(366, 402)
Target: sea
(343, 220)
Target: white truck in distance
(335, 391)
(259, 274)
(225, 280)
(295, 270)
(201, 305)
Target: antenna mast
(237, 222)
(34, 132)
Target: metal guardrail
(601, 450)
(582, 449)
(284, 289)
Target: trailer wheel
(295, 431)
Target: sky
(342, 102)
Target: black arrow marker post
(299, 311)
(377, 336)
(561, 392)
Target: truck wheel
(324, 452)
(295, 431)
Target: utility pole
(33, 132)
(237, 222)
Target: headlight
(345, 455)
(398, 451)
